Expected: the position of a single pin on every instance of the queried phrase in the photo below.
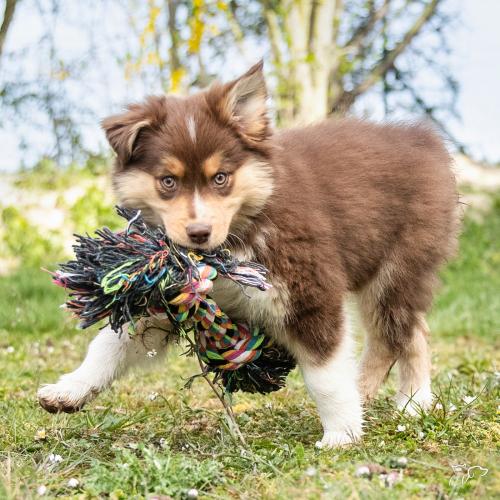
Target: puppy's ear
(122, 130)
(242, 104)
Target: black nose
(199, 233)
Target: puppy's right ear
(122, 130)
(241, 104)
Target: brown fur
(173, 166)
(336, 207)
(212, 165)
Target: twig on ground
(233, 427)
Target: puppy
(339, 208)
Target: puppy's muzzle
(199, 233)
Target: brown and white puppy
(332, 209)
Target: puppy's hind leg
(108, 357)
(332, 383)
(378, 357)
(391, 306)
(414, 363)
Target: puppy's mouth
(205, 246)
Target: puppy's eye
(169, 182)
(220, 179)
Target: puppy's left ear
(122, 131)
(242, 104)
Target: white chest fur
(263, 308)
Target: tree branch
(235, 26)
(10, 7)
(312, 26)
(175, 62)
(359, 35)
(430, 111)
(345, 100)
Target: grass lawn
(147, 437)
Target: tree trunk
(310, 31)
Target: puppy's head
(196, 165)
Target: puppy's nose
(199, 233)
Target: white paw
(67, 395)
(416, 403)
(336, 439)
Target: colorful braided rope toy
(139, 272)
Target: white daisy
(55, 459)
(469, 399)
(311, 471)
(41, 490)
(73, 482)
(362, 471)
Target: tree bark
(175, 62)
(8, 16)
(309, 26)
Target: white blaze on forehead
(191, 126)
(200, 209)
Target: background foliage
(322, 57)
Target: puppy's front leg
(332, 383)
(109, 356)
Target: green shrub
(46, 174)
(24, 241)
(93, 211)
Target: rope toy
(140, 272)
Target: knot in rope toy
(139, 272)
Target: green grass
(125, 445)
